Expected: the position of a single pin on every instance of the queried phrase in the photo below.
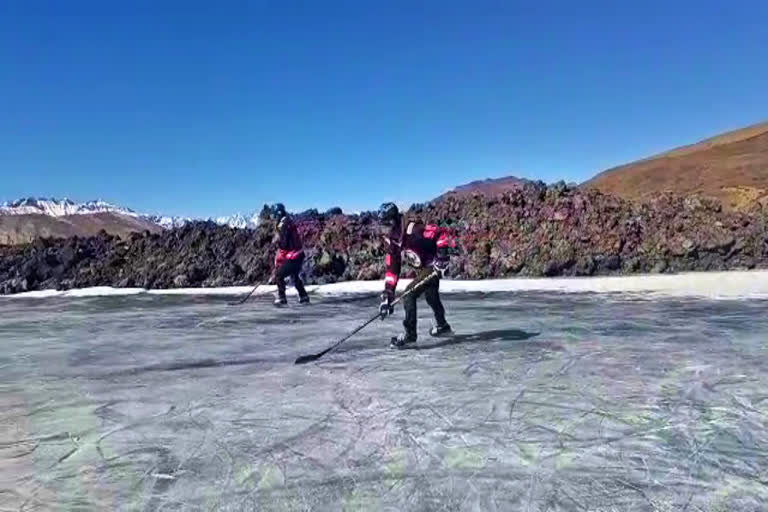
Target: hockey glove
(441, 267)
(386, 308)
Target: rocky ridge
(533, 230)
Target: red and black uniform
(289, 258)
(425, 247)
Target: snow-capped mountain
(239, 221)
(168, 222)
(62, 207)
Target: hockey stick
(314, 357)
(242, 301)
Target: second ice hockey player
(426, 248)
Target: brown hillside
(19, 229)
(732, 167)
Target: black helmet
(278, 211)
(388, 213)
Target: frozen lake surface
(543, 401)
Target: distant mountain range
(488, 186)
(65, 207)
(25, 219)
(60, 208)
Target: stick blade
(308, 358)
(238, 302)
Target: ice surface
(542, 401)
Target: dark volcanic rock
(533, 230)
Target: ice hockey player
(426, 248)
(290, 256)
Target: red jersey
(289, 246)
(422, 245)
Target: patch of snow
(712, 285)
(223, 290)
(94, 291)
(103, 291)
(40, 294)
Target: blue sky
(212, 108)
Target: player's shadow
(478, 337)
